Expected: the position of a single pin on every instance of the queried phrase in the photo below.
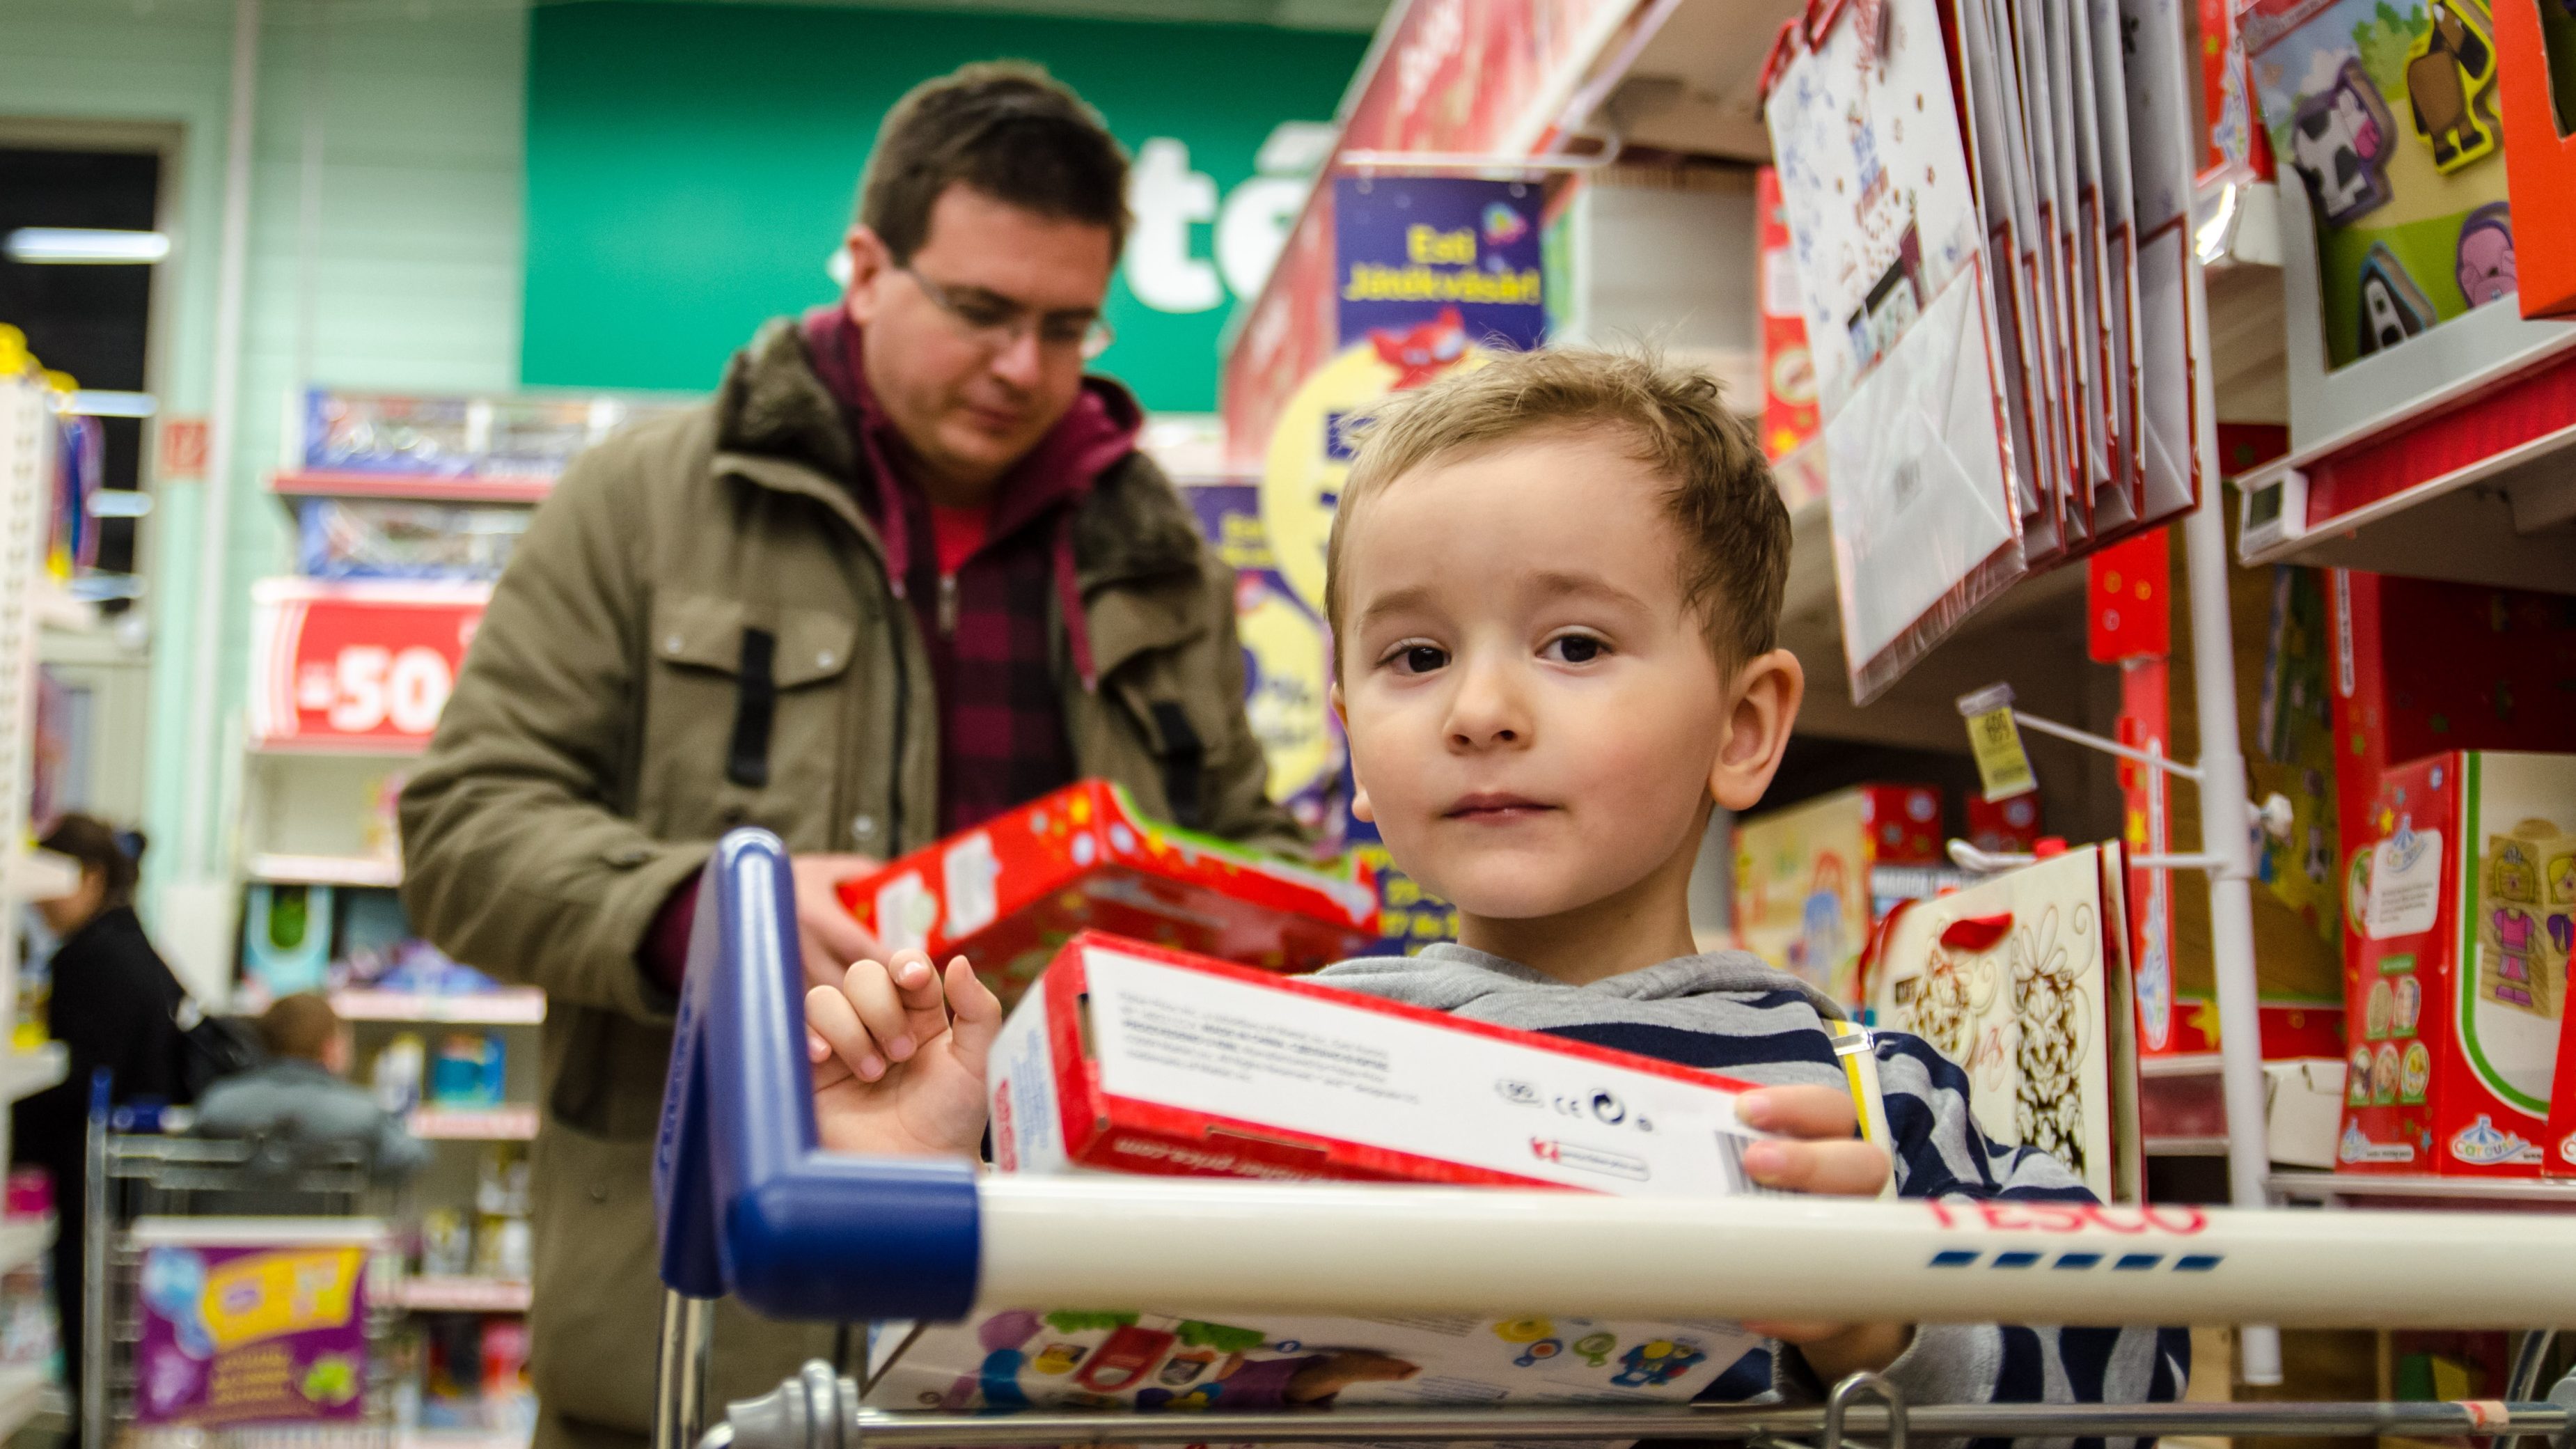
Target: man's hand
(899, 1057)
(1827, 1159)
(832, 938)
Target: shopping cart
(170, 1222)
(751, 1206)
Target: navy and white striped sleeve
(1940, 1152)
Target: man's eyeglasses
(998, 323)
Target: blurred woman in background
(114, 1004)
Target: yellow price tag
(1996, 742)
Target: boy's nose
(1486, 710)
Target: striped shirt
(1728, 1012)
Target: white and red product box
(1131, 1058)
(2455, 980)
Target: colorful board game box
(1128, 1058)
(1009, 892)
(2455, 975)
(1017, 1358)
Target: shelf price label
(1996, 741)
(338, 667)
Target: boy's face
(1535, 717)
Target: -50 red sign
(338, 666)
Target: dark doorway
(93, 322)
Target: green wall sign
(691, 169)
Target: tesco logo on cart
(2147, 1226)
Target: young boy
(1554, 585)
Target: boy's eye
(1419, 659)
(1575, 648)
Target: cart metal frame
(133, 1177)
(750, 1205)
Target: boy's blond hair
(1725, 512)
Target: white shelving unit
(509, 1122)
(444, 1294)
(511, 1006)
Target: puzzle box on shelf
(1007, 893)
(1812, 880)
(2455, 975)
(1129, 1058)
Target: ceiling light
(92, 403)
(85, 245)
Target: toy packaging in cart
(2455, 974)
(1132, 1059)
(1128, 1058)
(1011, 891)
(1018, 1358)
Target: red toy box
(1008, 893)
(1128, 1058)
(2455, 975)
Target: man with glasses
(905, 571)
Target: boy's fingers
(1810, 1112)
(870, 989)
(829, 1015)
(978, 1011)
(916, 984)
(1830, 1169)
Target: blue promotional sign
(1425, 265)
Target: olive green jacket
(579, 776)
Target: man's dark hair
(1006, 129)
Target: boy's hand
(1828, 1160)
(898, 1060)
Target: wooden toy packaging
(1130, 1058)
(2455, 974)
(1011, 891)
(2022, 979)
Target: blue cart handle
(748, 1203)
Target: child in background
(1554, 589)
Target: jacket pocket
(593, 1332)
(744, 718)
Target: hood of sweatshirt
(1450, 977)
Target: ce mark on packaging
(1601, 1105)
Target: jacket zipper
(896, 619)
(948, 606)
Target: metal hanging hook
(1848, 1392)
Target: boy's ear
(1764, 709)
(1361, 809)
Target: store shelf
(2327, 1187)
(2186, 1146)
(345, 870)
(512, 1006)
(509, 1123)
(1686, 79)
(464, 1439)
(2181, 1064)
(442, 1294)
(24, 1240)
(409, 487)
(2507, 520)
(24, 1074)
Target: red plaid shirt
(984, 621)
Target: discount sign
(338, 666)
